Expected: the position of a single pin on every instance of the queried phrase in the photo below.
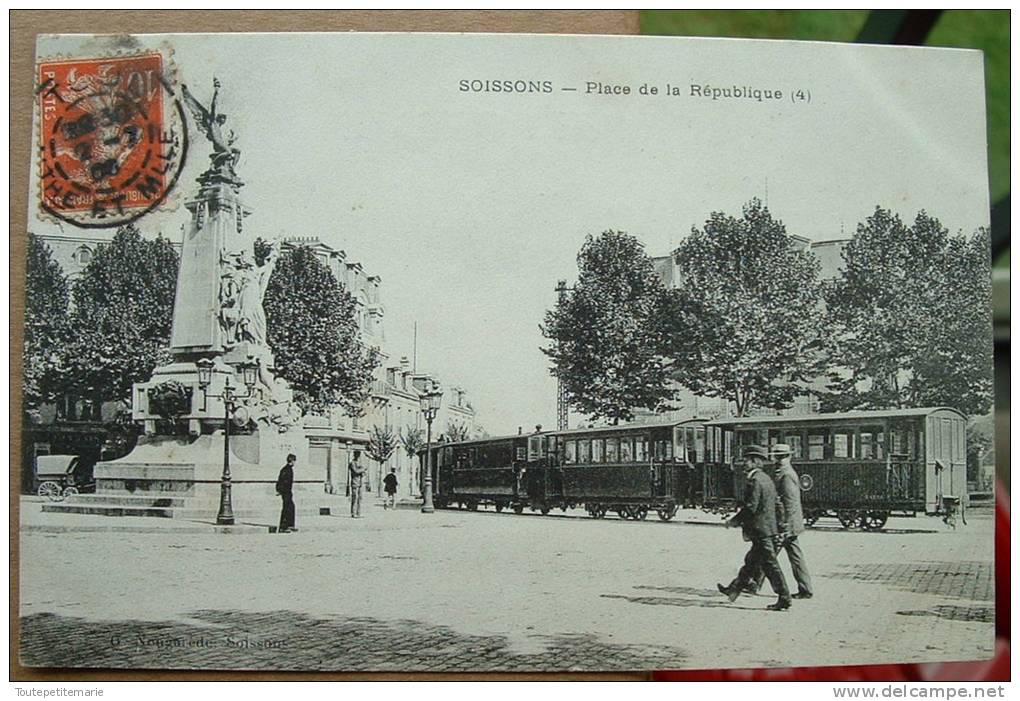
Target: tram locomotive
(858, 467)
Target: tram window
(872, 443)
(699, 445)
(612, 450)
(796, 445)
(669, 450)
(816, 446)
(584, 451)
(626, 449)
(640, 449)
(727, 447)
(570, 452)
(843, 444)
(598, 450)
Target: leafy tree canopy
(608, 344)
(756, 306)
(910, 317)
(123, 311)
(46, 323)
(314, 334)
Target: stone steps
(101, 509)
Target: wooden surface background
(25, 25)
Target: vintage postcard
(436, 352)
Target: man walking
(285, 488)
(790, 516)
(356, 472)
(390, 484)
(757, 518)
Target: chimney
(520, 430)
(538, 428)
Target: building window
(83, 255)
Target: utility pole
(562, 409)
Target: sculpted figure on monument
(225, 155)
(242, 288)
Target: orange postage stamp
(111, 138)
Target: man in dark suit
(790, 516)
(757, 518)
(285, 488)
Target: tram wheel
(875, 520)
(499, 507)
(623, 512)
(518, 508)
(851, 519)
(472, 506)
(667, 513)
(639, 513)
(544, 510)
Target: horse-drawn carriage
(58, 477)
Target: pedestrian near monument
(757, 518)
(356, 479)
(285, 488)
(390, 485)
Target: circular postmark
(113, 138)
(806, 482)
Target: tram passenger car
(505, 472)
(859, 467)
(631, 469)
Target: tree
(123, 311)
(753, 305)
(413, 440)
(46, 323)
(314, 334)
(910, 318)
(382, 442)
(456, 432)
(609, 348)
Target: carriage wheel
(51, 491)
(518, 509)
(811, 518)
(602, 510)
(70, 492)
(640, 513)
(667, 513)
(875, 520)
(623, 512)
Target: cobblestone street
(399, 590)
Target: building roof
(839, 416)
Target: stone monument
(218, 320)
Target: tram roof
(633, 426)
(837, 416)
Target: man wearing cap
(790, 516)
(757, 517)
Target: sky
(471, 205)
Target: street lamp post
(430, 401)
(249, 373)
